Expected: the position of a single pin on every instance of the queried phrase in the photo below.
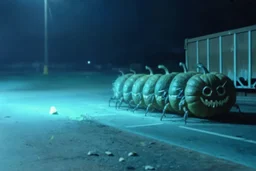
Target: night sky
(117, 31)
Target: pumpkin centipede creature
(189, 93)
(118, 87)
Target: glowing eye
(207, 91)
(221, 90)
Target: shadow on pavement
(244, 118)
(237, 118)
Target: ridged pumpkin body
(161, 90)
(137, 88)
(127, 88)
(118, 86)
(177, 85)
(148, 91)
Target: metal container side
(230, 52)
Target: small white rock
(143, 144)
(132, 154)
(149, 167)
(109, 153)
(92, 153)
(121, 159)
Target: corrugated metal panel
(253, 53)
(230, 52)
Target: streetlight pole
(45, 72)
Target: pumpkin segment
(176, 90)
(118, 87)
(209, 94)
(161, 88)
(127, 89)
(137, 88)
(148, 92)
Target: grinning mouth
(214, 103)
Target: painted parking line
(144, 125)
(103, 115)
(207, 124)
(220, 135)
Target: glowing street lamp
(45, 38)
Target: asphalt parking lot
(85, 96)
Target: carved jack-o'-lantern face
(214, 96)
(209, 94)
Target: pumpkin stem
(131, 70)
(122, 73)
(202, 67)
(150, 70)
(164, 68)
(185, 69)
